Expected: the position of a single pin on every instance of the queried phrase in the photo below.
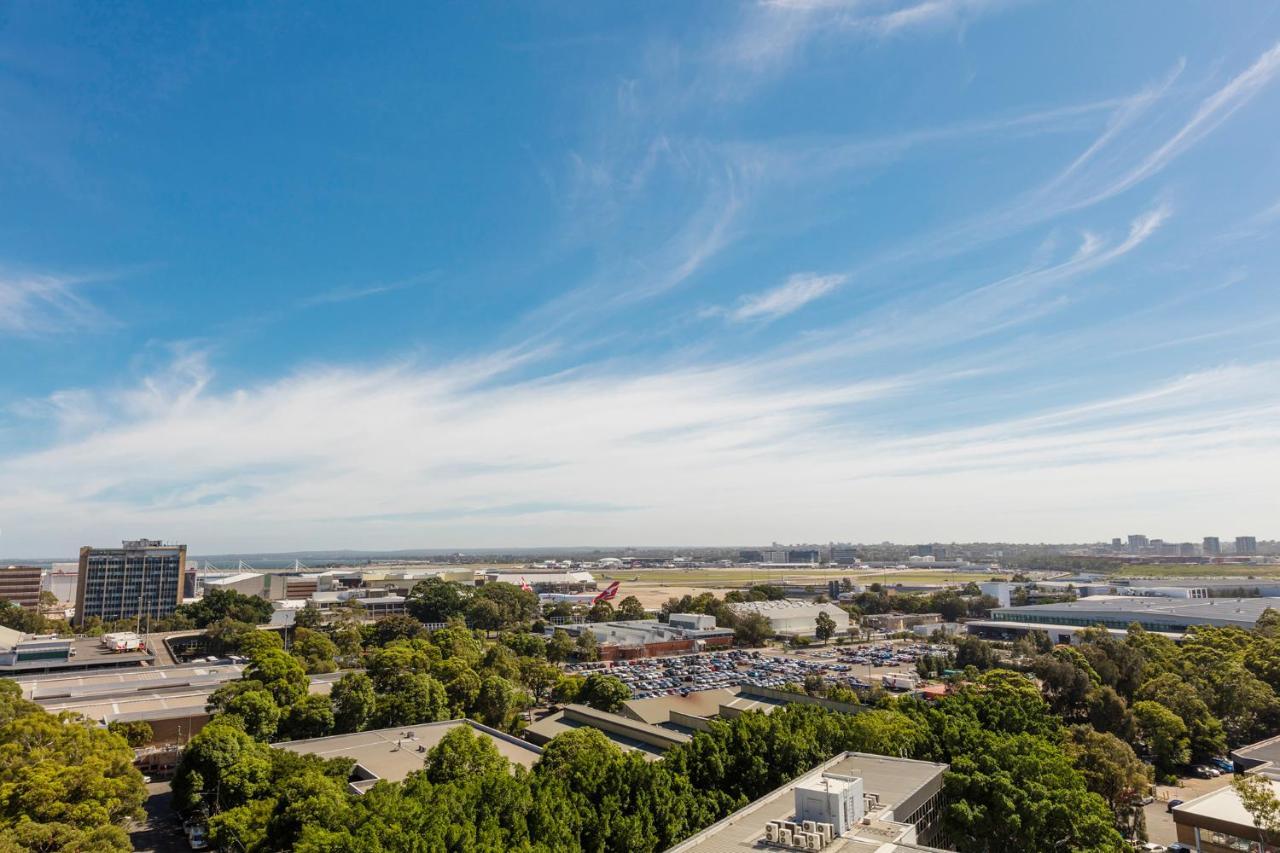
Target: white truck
(123, 641)
(900, 681)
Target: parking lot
(858, 666)
(1160, 828)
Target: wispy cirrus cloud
(37, 304)
(796, 292)
(358, 458)
(351, 294)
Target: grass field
(741, 576)
(1183, 570)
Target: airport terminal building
(1172, 616)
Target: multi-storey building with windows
(20, 585)
(142, 580)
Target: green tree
(258, 713)
(397, 627)
(64, 783)
(1204, 731)
(309, 616)
(497, 701)
(437, 600)
(585, 646)
(314, 650)
(1165, 736)
(1114, 772)
(601, 611)
(354, 702)
(136, 733)
(250, 641)
(279, 674)
(217, 604)
(604, 692)
(825, 627)
(410, 698)
(752, 630)
(560, 646)
(511, 606)
(975, 652)
(630, 609)
(311, 716)
(539, 676)
(462, 755)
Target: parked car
(197, 836)
(1204, 771)
(1179, 848)
(1152, 847)
(1172, 805)
(1226, 765)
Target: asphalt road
(160, 832)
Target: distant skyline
(302, 278)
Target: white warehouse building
(792, 617)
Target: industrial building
(650, 740)
(392, 754)
(793, 617)
(854, 803)
(891, 623)
(1173, 615)
(20, 586)
(141, 579)
(1218, 822)
(641, 638)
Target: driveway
(1160, 828)
(160, 832)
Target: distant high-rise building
(1246, 545)
(20, 585)
(1187, 549)
(1211, 547)
(802, 555)
(938, 552)
(1136, 541)
(844, 555)
(142, 578)
(1117, 543)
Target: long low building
(793, 617)
(1173, 615)
(392, 754)
(640, 638)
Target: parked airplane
(607, 594)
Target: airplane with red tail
(609, 593)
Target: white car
(197, 836)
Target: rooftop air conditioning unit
(827, 831)
(801, 840)
(771, 831)
(784, 837)
(810, 826)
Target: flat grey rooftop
(392, 754)
(1212, 611)
(892, 779)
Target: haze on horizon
(509, 277)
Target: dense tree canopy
(65, 784)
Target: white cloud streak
(444, 456)
(792, 295)
(38, 304)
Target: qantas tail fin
(609, 594)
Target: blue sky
(302, 276)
